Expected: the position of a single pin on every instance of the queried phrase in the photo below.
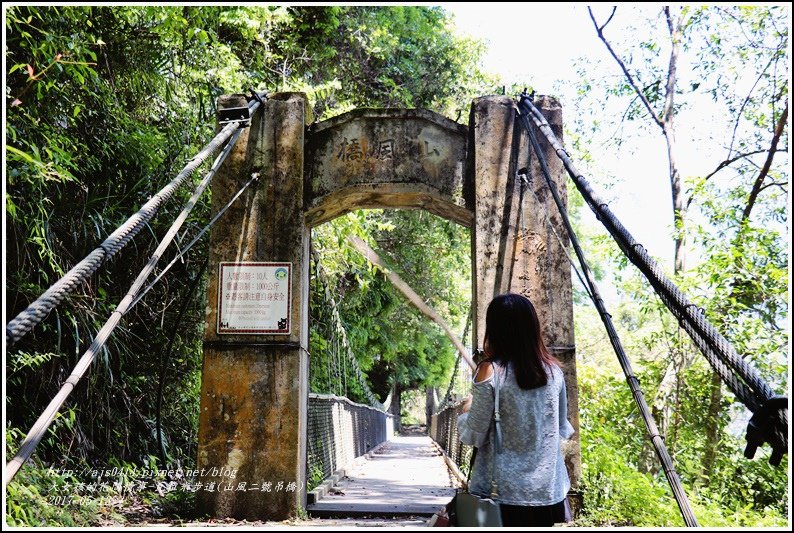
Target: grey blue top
(530, 470)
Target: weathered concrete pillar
(254, 386)
(491, 172)
(542, 271)
(514, 249)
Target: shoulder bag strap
(496, 414)
(497, 434)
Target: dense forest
(105, 104)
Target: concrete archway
(254, 380)
(386, 158)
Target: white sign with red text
(254, 298)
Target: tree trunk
(712, 429)
(395, 407)
(666, 394)
(430, 405)
(668, 127)
(679, 204)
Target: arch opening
(399, 341)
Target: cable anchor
(763, 428)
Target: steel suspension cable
(165, 357)
(770, 420)
(737, 387)
(82, 271)
(448, 395)
(186, 249)
(658, 442)
(446, 402)
(37, 432)
(640, 257)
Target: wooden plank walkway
(405, 477)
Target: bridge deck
(405, 477)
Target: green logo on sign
(281, 273)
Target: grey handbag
(469, 510)
(473, 511)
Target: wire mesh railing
(340, 430)
(444, 430)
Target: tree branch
(781, 184)
(620, 125)
(604, 25)
(767, 165)
(371, 256)
(732, 160)
(744, 104)
(629, 77)
(675, 40)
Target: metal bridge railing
(444, 430)
(340, 430)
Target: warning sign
(254, 298)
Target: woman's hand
(466, 405)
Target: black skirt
(534, 516)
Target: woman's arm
(473, 425)
(566, 429)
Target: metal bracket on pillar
(235, 114)
(563, 350)
(231, 345)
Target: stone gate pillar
(254, 393)
(517, 252)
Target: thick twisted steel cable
(769, 422)
(658, 442)
(738, 388)
(82, 271)
(675, 300)
(37, 432)
(195, 239)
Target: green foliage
(32, 500)
(394, 343)
(104, 105)
(741, 492)
(730, 93)
(43, 496)
(316, 474)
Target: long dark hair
(512, 329)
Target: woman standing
(528, 469)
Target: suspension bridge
(277, 174)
